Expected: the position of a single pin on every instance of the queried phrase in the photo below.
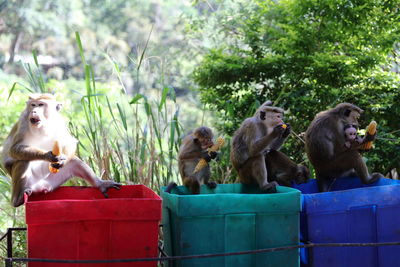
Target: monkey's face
(352, 118)
(205, 142)
(271, 119)
(350, 133)
(40, 112)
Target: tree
(307, 56)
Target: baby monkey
(351, 137)
(194, 147)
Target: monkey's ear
(262, 115)
(347, 112)
(58, 106)
(267, 103)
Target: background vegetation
(130, 74)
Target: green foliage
(131, 139)
(307, 56)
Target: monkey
(351, 137)
(258, 135)
(194, 147)
(326, 149)
(283, 170)
(27, 151)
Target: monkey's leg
(280, 168)
(344, 163)
(259, 172)
(81, 169)
(353, 160)
(324, 182)
(204, 175)
(340, 164)
(193, 184)
(74, 167)
(19, 179)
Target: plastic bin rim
(231, 194)
(154, 196)
(286, 191)
(349, 190)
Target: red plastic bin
(78, 223)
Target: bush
(307, 56)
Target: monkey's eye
(41, 104)
(33, 105)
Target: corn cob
(217, 146)
(371, 130)
(56, 151)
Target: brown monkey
(257, 136)
(194, 147)
(326, 149)
(27, 151)
(283, 170)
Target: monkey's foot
(28, 191)
(270, 187)
(42, 187)
(107, 184)
(374, 177)
(212, 185)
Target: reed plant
(131, 139)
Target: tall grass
(132, 140)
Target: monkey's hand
(107, 184)
(369, 137)
(213, 154)
(206, 156)
(278, 130)
(59, 164)
(287, 130)
(49, 156)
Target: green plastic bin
(230, 218)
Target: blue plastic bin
(351, 213)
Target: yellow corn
(202, 163)
(284, 126)
(56, 151)
(220, 143)
(217, 146)
(371, 130)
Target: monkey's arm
(189, 151)
(190, 155)
(25, 152)
(278, 142)
(260, 144)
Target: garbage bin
(351, 213)
(78, 223)
(231, 218)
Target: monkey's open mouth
(34, 120)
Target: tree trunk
(14, 46)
